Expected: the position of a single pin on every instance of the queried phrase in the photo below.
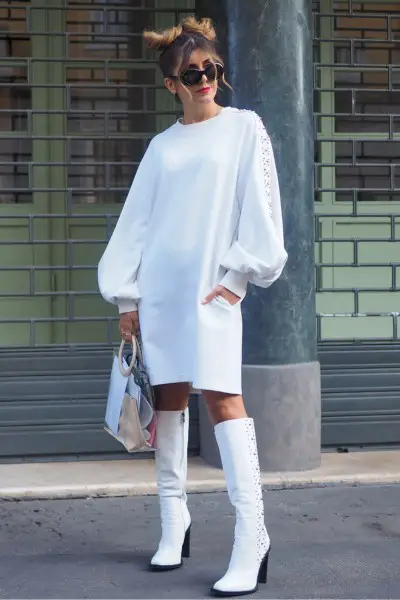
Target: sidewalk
(137, 477)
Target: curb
(113, 490)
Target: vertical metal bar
(356, 301)
(70, 253)
(390, 77)
(316, 229)
(30, 176)
(392, 177)
(32, 333)
(389, 27)
(107, 180)
(318, 278)
(319, 329)
(144, 97)
(31, 234)
(106, 72)
(106, 127)
(355, 252)
(71, 306)
(31, 281)
(69, 207)
(27, 18)
(352, 57)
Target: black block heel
(261, 578)
(263, 572)
(185, 554)
(186, 544)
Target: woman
(201, 220)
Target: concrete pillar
(268, 45)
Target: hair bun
(204, 27)
(160, 40)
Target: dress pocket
(223, 303)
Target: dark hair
(178, 43)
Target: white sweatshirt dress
(204, 209)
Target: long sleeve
(257, 254)
(119, 265)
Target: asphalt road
(338, 542)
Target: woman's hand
(129, 325)
(220, 290)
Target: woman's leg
(172, 396)
(237, 444)
(224, 407)
(171, 468)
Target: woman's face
(202, 93)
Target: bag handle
(136, 352)
(128, 371)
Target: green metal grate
(80, 97)
(357, 169)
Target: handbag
(130, 414)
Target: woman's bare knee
(224, 407)
(172, 396)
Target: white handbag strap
(128, 371)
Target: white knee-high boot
(171, 467)
(249, 561)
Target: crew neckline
(198, 123)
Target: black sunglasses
(194, 76)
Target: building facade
(80, 97)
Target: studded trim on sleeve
(265, 156)
(265, 150)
